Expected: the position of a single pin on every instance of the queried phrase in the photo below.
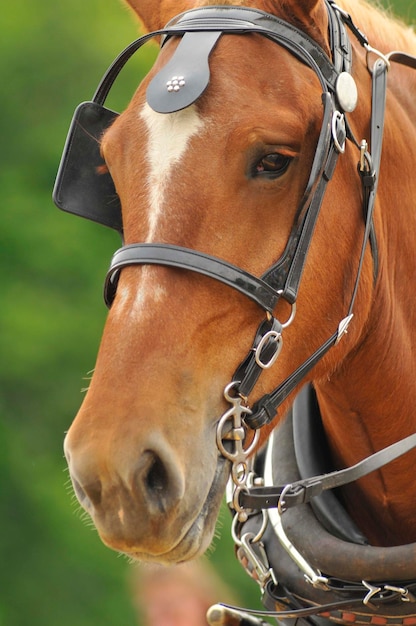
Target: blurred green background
(54, 571)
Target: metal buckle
(271, 334)
(337, 119)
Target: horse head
(230, 175)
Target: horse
(267, 244)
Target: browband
(233, 21)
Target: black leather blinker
(82, 186)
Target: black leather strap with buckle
(302, 491)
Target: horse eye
(274, 164)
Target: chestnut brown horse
(224, 174)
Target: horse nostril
(160, 480)
(156, 478)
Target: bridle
(200, 30)
(78, 191)
(179, 84)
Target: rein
(302, 491)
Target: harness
(287, 578)
(310, 560)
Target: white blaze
(167, 141)
(168, 138)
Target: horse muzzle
(139, 498)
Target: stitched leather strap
(231, 20)
(185, 258)
(302, 491)
(265, 409)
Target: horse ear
(308, 15)
(154, 14)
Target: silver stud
(346, 90)
(175, 84)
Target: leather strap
(294, 257)
(294, 276)
(302, 491)
(402, 58)
(265, 409)
(175, 256)
(309, 611)
(239, 20)
(231, 20)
